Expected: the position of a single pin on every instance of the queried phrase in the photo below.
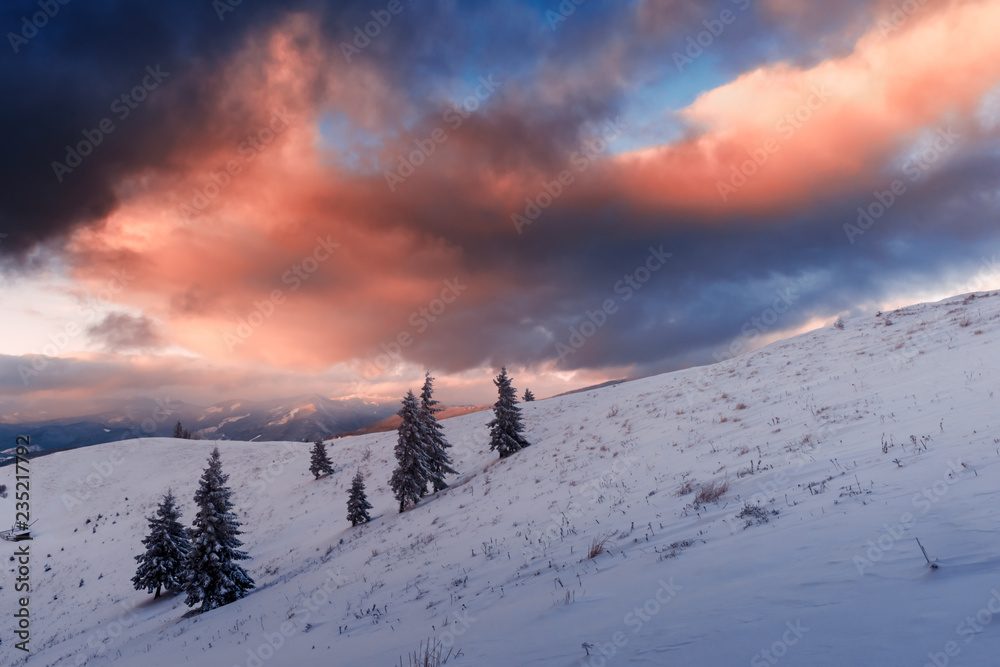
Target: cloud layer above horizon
(575, 190)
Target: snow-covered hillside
(854, 442)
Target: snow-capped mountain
(296, 418)
(761, 511)
(299, 418)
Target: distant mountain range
(298, 418)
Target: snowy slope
(497, 567)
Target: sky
(205, 200)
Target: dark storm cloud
(121, 332)
(721, 276)
(69, 73)
(529, 291)
(72, 73)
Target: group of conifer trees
(201, 560)
(357, 501)
(421, 449)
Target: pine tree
(437, 461)
(357, 502)
(320, 463)
(506, 427)
(164, 563)
(214, 579)
(178, 430)
(528, 396)
(409, 479)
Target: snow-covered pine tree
(320, 463)
(357, 502)
(178, 430)
(506, 427)
(409, 479)
(528, 396)
(164, 563)
(214, 579)
(437, 461)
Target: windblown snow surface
(852, 443)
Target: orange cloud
(265, 228)
(237, 237)
(818, 129)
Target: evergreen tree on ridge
(214, 578)
(437, 461)
(506, 427)
(357, 502)
(164, 563)
(409, 479)
(320, 463)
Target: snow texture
(862, 440)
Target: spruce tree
(437, 461)
(528, 396)
(320, 463)
(357, 502)
(214, 579)
(409, 479)
(164, 563)
(178, 430)
(506, 427)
